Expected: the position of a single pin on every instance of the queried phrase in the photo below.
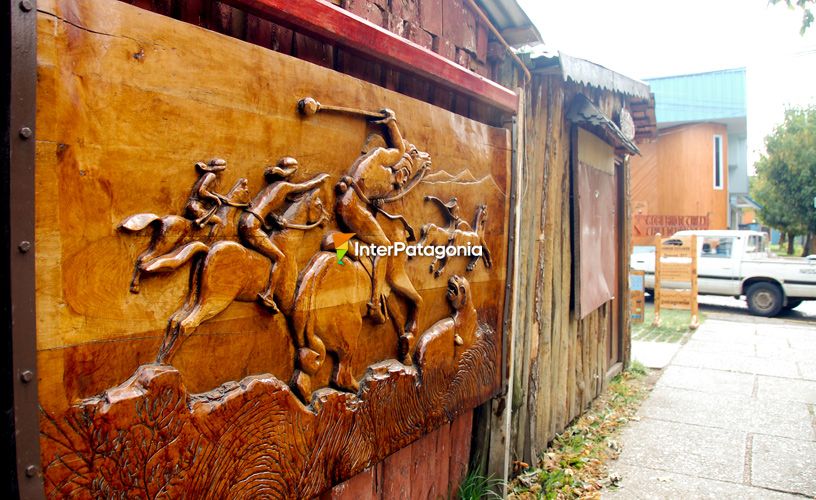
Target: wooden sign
(255, 276)
(676, 276)
(637, 299)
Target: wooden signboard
(637, 299)
(233, 300)
(676, 276)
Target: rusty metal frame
(17, 179)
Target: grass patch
(674, 325)
(574, 466)
(476, 486)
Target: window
(717, 247)
(718, 162)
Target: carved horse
(330, 305)
(232, 272)
(173, 232)
(461, 236)
(474, 238)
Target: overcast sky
(649, 38)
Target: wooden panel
(676, 261)
(675, 299)
(675, 272)
(330, 22)
(133, 107)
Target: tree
(805, 5)
(785, 182)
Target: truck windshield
(717, 246)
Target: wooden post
(694, 306)
(656, 290)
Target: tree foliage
(785, 182)
(805, 5)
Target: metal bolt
(26, 5)
(26, 133)
(27, 376)
(24, 246)
(31, 471)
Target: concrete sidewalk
(732, 416)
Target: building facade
(694, 175)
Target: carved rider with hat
(380, 176)
(204, 201)
(252, 225)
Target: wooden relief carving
(276, 337)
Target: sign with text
(676, 276)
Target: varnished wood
(137, 266)
(330, 22)
(682, 268)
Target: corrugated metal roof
(583, 112)
(582, 71)
(714, 95)
(511, 21)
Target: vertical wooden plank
(312, 50)
(695, 322)
(397, 474)
(460, 437)
(440, 463)
(364, 485)
(259, 31)
(192, 11)
(626, 325)
(423, 467)
(658, 247)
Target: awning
(586, 114)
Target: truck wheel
(792, 303)
(764, 299)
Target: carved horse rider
(450, 211)
(204, 201)
(382, 175)
(252, 225)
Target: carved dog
(441, 345)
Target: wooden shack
(112, 109)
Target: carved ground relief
(213, 321)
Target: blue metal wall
(700, 97)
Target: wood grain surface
(128, 102)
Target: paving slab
(707, 380)
(715, 347)
(784, 464)
(730, 411)
(796, 332)
(726, 328)
(654, 354)
(646, 483)
(786, 389)
(785, 353)
(692, 449)
(732, 416)
(807, 369)
(736, 363)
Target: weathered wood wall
(561, 364)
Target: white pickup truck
(737, 263)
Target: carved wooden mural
(328, 290)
